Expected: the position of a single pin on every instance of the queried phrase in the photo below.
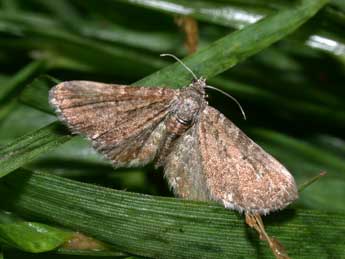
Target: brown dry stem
(190, 27)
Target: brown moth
(204, 155)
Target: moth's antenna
(180, 61)
(207, 86)
(231, 97)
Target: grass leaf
(21, 78)
(166, 227)
(28, 147)
(32, 237)
(236, 47)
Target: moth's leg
(255, 221)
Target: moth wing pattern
(183, 168)
(124, 123)
(239, 173)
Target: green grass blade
(6, 108)
(303, 149)
(9, 5)
(36, 237)
(32, 237)
(226, 14)
(69, 50)
(65, 12)
(29, 146)
(165, 227)
(306, 160)
(36, 93)
(21, 79)
(239, 15)
(236, 47)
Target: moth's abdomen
(175, 127)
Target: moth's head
(199, 85)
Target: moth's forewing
(121, 121)
(239, 173)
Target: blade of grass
(32, 237)
(21, 79)
(236, 15)
(308, 151)
(306, 160)
(226, 14)
(65, 12)
(113, 33)
(65, 48)
(36, 237)
(9, 5)
(234, 48)
(165, 227)
(6, 108)
(36, 93)
(29, 146)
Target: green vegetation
(287, 70)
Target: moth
(204, 155)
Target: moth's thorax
(190, 102)
(186, 109)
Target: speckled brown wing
(183, 168)
(239, 173)
(124, 123)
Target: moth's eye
(194, 80)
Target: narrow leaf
(36, 93)
(21, 78)
(32, 237)
(239, 15)
(29, 146)
(38, 238)
(234, 48)
(225, 14)
(162, 227)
